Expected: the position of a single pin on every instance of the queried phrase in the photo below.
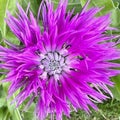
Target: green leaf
(1, 113)
(71, 4)
(2, 101)
(116, 89)
(116, 1)
(11, 37)
(29, 114)
(15, 113)
(4, 6)
(0, 35)
(34, 5)
(76, 5)
(107, 4)
(116, 18)
(2, 97)
(4, 113)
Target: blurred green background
(109, 110)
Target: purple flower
(65, 64)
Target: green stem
(17, 112)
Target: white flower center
(53, 64)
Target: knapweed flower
(65, 64)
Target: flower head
(66, 64)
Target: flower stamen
(53, 63)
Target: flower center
(53, 63)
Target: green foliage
(116, 15)
(109, 110)
(29, 114)
(4, 6)
(0, 35)
(107, 4)
(2, 97)
(71, 4)
(34, 5)
(116, 89)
